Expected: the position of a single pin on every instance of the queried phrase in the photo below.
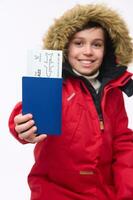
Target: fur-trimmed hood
(74, 19)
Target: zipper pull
(101, 125)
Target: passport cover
(42, 97)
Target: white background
(22, 26)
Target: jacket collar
(117, 76)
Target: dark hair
(91, 24)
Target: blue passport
(43, 98)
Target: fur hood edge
(74, 19)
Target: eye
(77, 43)
(98, 45)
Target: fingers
(22, 118)
(29, 134)
(39, 138)
(20, 128)
(26, 129)
(23, 122)
(31, 137)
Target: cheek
(70, 58)
(71, 54)
(101, 56)
(73, 51)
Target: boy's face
(86, 51)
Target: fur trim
(74, 19)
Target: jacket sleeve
(17, 109)
(123, 154)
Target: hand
(26, 129)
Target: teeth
(86, 62)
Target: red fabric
(85, 163)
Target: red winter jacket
(85, 162)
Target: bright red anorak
(86, 162)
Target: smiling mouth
(86, 63)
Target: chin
(90, 73)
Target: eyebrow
(99, 39)
(95, 39)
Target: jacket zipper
(96, 103)
(101, 123)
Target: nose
(87, 50)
